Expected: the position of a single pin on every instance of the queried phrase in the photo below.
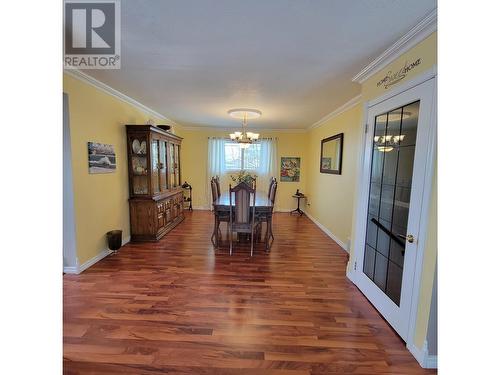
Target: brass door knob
(408, 237)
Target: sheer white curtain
(268, 163)
(215, 164)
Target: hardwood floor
(179, 307)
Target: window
(236, 158)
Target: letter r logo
(90, 27)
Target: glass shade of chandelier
(244, 138)
(386, 143)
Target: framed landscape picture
(290, 169)
(102, 158)
(326, 163)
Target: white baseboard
(288, 210)
(89, 263)
(201, 208)
(104, 253)
(327, 232)
(422, 356)
(72, 269)
(350, 273)
(432, 361)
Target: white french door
(390, 224)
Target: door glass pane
(369, 264)
(409, 125)
(389, 198)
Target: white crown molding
(344, 107)
(230, 129)
(418, 33)
(115, 93)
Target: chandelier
(244, 138)
(386, 143)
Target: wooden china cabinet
(156, 198)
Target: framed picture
(326, 163)
(290, 169)
(102, 158)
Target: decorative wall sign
(290, 169)
(392, 78)
(102, 158)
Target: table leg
(298, 210)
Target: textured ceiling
(192, 60)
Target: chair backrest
(271, 182)
(253, 183)
(272, 192)
(213, 186)
(244, 204)
(217, 185)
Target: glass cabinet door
(177, 167)
(171, 169)
(155, 165)
(163, 166)
(139, 165)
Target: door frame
(70, 257)
(362, 193)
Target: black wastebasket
(114, 239)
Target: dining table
(263, 212)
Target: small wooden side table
(298, 210)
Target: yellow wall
(101, 200)
(194, 165)
(331, 197)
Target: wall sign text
(394, 77)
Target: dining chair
(213, 189)
(271, 182)
(219, 217)
(267, 218)
(253, 183)
(217, 184)
(242, 220)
